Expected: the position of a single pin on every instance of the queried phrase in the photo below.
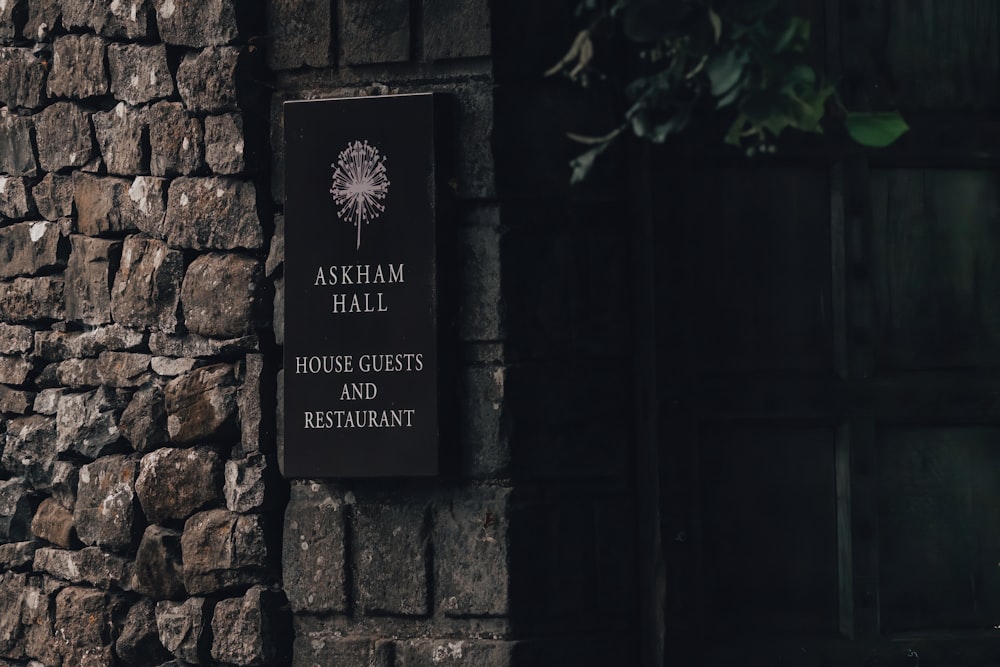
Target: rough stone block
(128, 18)
(124, 369)
(110, 205)
(218, 296)
(313, 551)
(193, 345)
(15, 198)
(56, 345)
(144, 421)
(64, 136)
(36, 618)
(244, 629)
(12, 17)
(30, 450)
(453, 652)
(27, 299)
(276, 255)
(172, 367)
(14, 370)
(248, 400)
(64, 480)
(12, 595)
(78, 67)
(22, 78)
(15, 339)
(247, 484)
(212, 213)
(17, 148)
(17, 555)
(83, 616)
(480, 314)
(106, 513)
(89, 565)
(207, 79)
(120, 133)
(146, 291)
(224, 146)
(74, 373)
(28, 247)
(392, 538)
(182, 627)
(173, 484)
(138, 644)
(43, 15)
(88, 423)
(470, 553)
(88, 275)
(53, 523)
(300, 33)
(15, 401)
(159, 573)
(176, 140)
(139, 73)
(456, 29)
(201, 405)
(375, 32)
(279, 310)
(53, 196)
(196, 22)
(222, 550)
(16, 508)
(483, 430)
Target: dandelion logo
(359, 184)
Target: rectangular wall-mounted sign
(361, 358)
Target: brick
(313, 549)
(300, 33)
(78, 67)
(324, 650)
(454, 653)
(456, 29)
(375, 32)
(391, 538)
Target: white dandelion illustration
(360, 183)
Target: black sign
(361, 363)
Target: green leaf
(583, 163)
(876, 130)
(716, 21)
(795, 37)
(724, 71)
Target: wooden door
(828, 346)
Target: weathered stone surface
(124, 369)
(375, 32)
(159, 573)
(139, 73)
(176, 140)
(37, 614)
(300, 33)
(172, 367)
(12, 594)
(110, 205)
(17, 555)
(392, 538)
(279, 310)
(212, 213)
(196, 22)
(22, 78)
(64, 480)
(75, 373)
(222, 550)
(89, 565)
(12, 16)
(128, 18)
(218, 296)
(47, 401)
(313, 548)
(30, 450)
(138, 643)
(316, 649)
(470, 554)
(53, 196)
(244, 628)
(248, 482)
(207, 79)
(55, 345)
(106, 514)
(15, 339)
(53, 523)
(173, 484)
(64, 136)
(144, 421)
(88, 423)
(83, 616)
(17, 151)
(88, 275)
(460, 653)
(28, 247)
(201, 404)
(182, 628)
(78, 67)
(192, 345)
(120, 135)
(26, 299)
(14, 370)
(248, 399)
(276, 254)
(224, 145)
(15, 510)
(15, 200)
(42, 17)
(147, 291)
(456, 29)
(15, 401)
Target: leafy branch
(740, 57)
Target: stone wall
(141, 505)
